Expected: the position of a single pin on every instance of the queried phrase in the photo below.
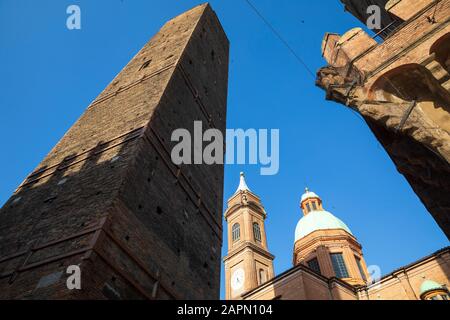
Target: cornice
(310, 242)
(250, 204)
(408, 267)
(251, 246)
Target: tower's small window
(339, 266)
(361, 270)
(145, 65)
(236, 232)
(314, 265)
(257, 232)
(314, 205)
(308, 208)
(262, 276)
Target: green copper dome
(318, 220)
(429, 285)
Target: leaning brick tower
(108, 197)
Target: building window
(145, 65)
(313, 264)
(314, 206)
(236, 232)
(308, 207)
(262, 276)
(361, 270)
(257, 232)
(438, 297)
(339, 265)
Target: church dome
(429, 285)
(309, 194)
(318, 220)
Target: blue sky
(50, 74)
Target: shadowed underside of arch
(407, 107)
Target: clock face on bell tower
(248, 263)
(237, 279)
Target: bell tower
(248, 263)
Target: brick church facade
(328, 260)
